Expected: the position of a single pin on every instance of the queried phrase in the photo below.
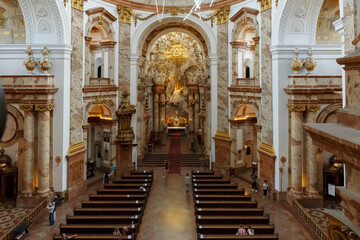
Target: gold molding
(267, 148)
(125, 14)
(265, 4)
(78, 4)
(222, 135)
(44, 108)
(296, 107)
(313, 108)
(65, 2)
(75, 147)
(26, 108)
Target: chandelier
(197, 5)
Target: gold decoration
(222, 135)
(296, 63)
(26, 108)
(138, 16)
(125, 14)
(244, 20)
(174, 11)
(2, 21)
(65, 2)
(267, 148)
(338, 230)
(30, 63)
(45, 62)
(283, 160)
(313, 108)
(265, 4)
(309, 63)
(58, 160)
(222, 14)
(44, 108)
(75, 147)
(99, 100)
(78, 4)
(101, 20)
(296, 107)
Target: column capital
(44, 108)
(296, 107)
(78, 4)
(265, 4)
(313, 108)
(222, 14)
(26, 108)
(125, 14)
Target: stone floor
(10, 215)
(169, 213)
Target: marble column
(156, 113)
(162, 112)
(196, 114)
(44, 148)
(76, 104)
(124, 56)
(87, 60)
(296, 150)
(27, 172)
(266, 78)
(256, 61)
(311, 152)
(223, 75)
(112, 64)
(349, 25)
(191, 113)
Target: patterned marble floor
(10, 215)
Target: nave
(169, 212)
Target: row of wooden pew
(220, 208)
(117, 205)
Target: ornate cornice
(76, 147)
(267, 148)
(44, 108)
(243, 11)
(26, 108)
(101, 11)
(264, 4)
(125, 14)
(303, 107)
(78, 4)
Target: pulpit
(8, 177)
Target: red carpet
(174, 153)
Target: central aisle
(169, 212)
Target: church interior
(179, 119)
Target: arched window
(99, 72)
(247, 70)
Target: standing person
(54, 204)
(187, 182)
(106, 178)
(51, 208)
(166, 168)
(265, 187)
(112, 169)
(253, 182)
(241, 231)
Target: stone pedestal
(222, 153)
(267, 164)
(123, 158)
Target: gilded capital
(78, 4)
(222, 14)
(264, 4)
(313, 108)
(296, 107)
(44, 108)
(26, 108)
(125, 14)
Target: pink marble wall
(352, 89)
(124, 57)
(76, 109)
(222, 85)
(266, 77)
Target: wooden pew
(116, 197)
(229, 211)
(131, 181)
(240, 220)
(92, 228)
(202, 172)
(99, 219)
(113, 204)
(215, 186)
(222, 197)
(219, 191)
(104, 191)
(211, 181)
(233, 228)
(137, 176)
(108, 211)
(231, 237)
(98, 237)
(128, 186)
(214, 176)
(225, 204)
(144, 172)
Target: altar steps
(187, 160)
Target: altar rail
(309, 220)
(28, 218)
